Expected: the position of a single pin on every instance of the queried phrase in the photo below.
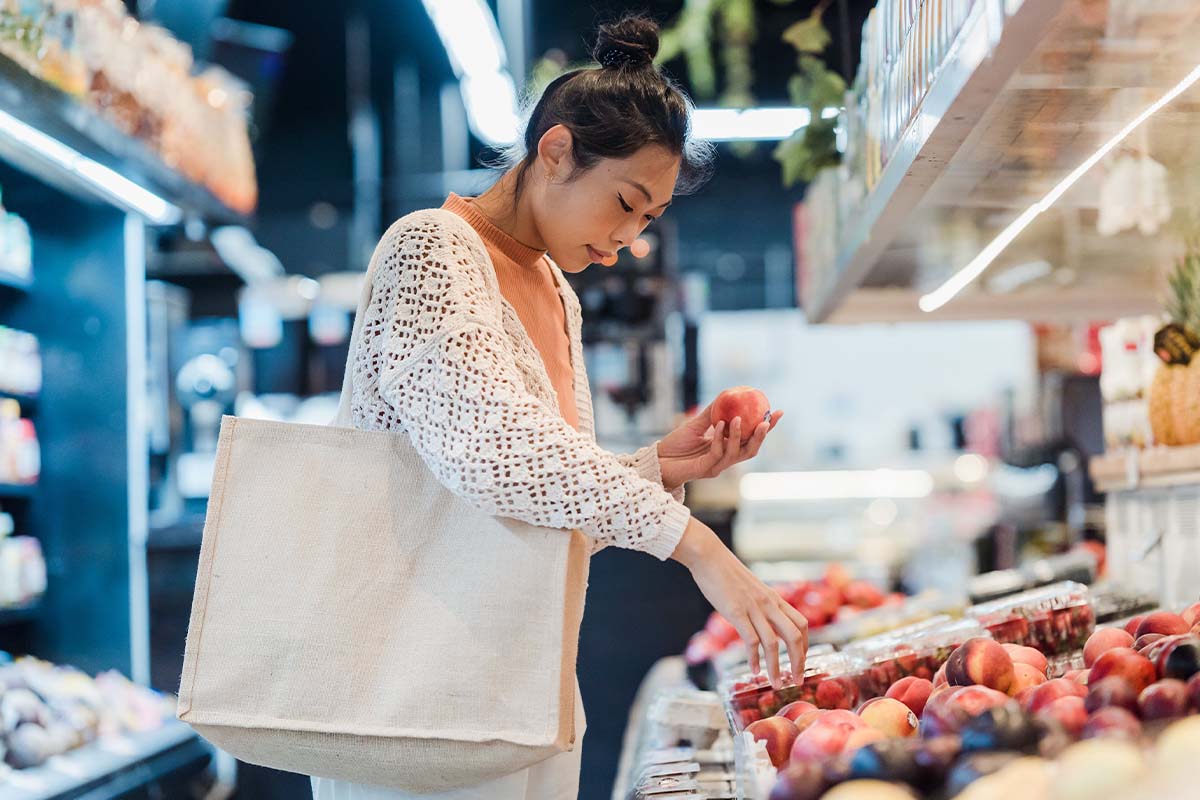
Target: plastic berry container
(829, 681)
(916, 650)
(1055, 619)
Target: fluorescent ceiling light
(106, 182)
(837, 485)
(963, 278)
(761, 124)
(491, 101)
(468, 32)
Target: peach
(1025, 676)
(825, 737)
(1069, 712)
(1166, 699)
(778, 734)
(741, 401)
(837, 693)
(794, 711)
(913, 692)
(939, 677)
(1027, 655)
(1163, 622)
(1132, 625)
(805, 720)
(863, 737)
(1127, 664)
(1050, 691)
(1112, 722)
(1112, 692)
(1080, 676)
(800, 781)
(889, 716)
(840, 716)
(1142, 642)
(1191, 614)
(1102, 641)
(974, 700)
(980, 662)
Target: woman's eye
(650, 218)
(624, 205)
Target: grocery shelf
(19, 615)
(1154, 468)
(967, 83)
(58, 119)
(1026, 94)
(15, 283)
(110, 769)
(16, 491)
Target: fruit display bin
(1055, 619)
(915, 650)
(830, 681)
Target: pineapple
(1175, 393)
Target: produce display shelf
(969, 78)
(38, 119)
(110, 769)
(15, 283)
(17, 491)
(1154, 468)
(18, 615)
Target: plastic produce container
(1055, 619)
(829, 681)
(916, 650)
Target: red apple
(741, 401)
(1127, 664)
(1163, 622)
(913, 692)
(981, 662)
(1103, 640)
(794, 711)
(779, 734)
(1069, 712)
(1027, 655)
(1166, 699)
(1112, 692)
(1112, 722)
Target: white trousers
(556, 778)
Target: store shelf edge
(967, 82)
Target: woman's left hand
(697, 449)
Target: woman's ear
(554, 151)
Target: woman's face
(589, 218)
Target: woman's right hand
(756, 610)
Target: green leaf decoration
(809, 34)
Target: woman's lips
(597, 256)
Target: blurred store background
(916, 244)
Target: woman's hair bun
(631, 42)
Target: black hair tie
(614, 58)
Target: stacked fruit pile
(992, 708)
(833, 598)
(829, 682)
(917, 650)
(48, 710)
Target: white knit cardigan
(444, 357)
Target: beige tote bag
(353, 619)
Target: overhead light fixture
(963, 278)
(468, 32)
(104, 181)
(751, 124)
(895, 484)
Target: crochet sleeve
(645, 461)
(435, 329)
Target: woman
(470, 345)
